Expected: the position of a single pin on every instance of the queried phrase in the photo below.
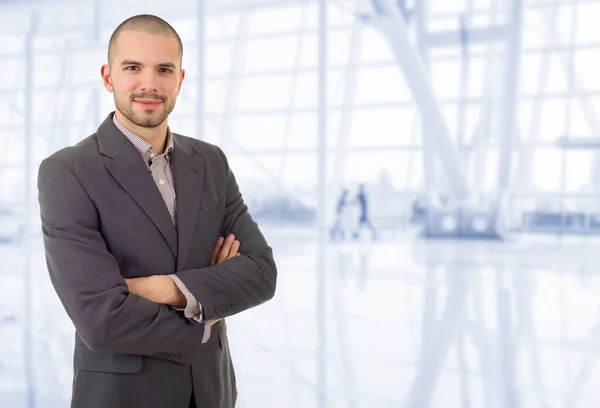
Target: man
(134, 220)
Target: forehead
(146, 47)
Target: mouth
(148, 103)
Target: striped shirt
(159, 166)
(161, 169)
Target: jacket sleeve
(89, 284)
(241, 282)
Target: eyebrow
(162, 64)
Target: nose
(148, 81)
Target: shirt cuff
(207, 329)
(193, 308)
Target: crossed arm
(162, 289)
(110, 317)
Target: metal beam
(392, 25)
(96, 116)
(508, 127)
(586, 105)
(453, 38)
(200, 67)
(116, 10)
(290, 109)
(586, 143)
(238, 51)
(28, 214)
(348, 104)
(421, 11)
(523, 174)
(321, 280)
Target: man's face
(145, 76)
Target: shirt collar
(145, 148)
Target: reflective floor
(409, 323)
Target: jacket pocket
(90, 360)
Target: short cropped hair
(147, 23)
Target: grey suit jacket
(104, 220)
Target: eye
(165, 70)
(131, 68)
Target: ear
(106, 79)
(181, 80)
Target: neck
(156, 136)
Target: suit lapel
(189, 176)
(129, 170)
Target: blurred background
(427, 172)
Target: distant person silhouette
(363, 218)
(338, 229)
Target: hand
(158, 289)
(161, 288)
(225, 248)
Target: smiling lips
(148, 103)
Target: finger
(235, 247)
(217, 248)
(215, 253)
(222, 256)
(225, 249)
